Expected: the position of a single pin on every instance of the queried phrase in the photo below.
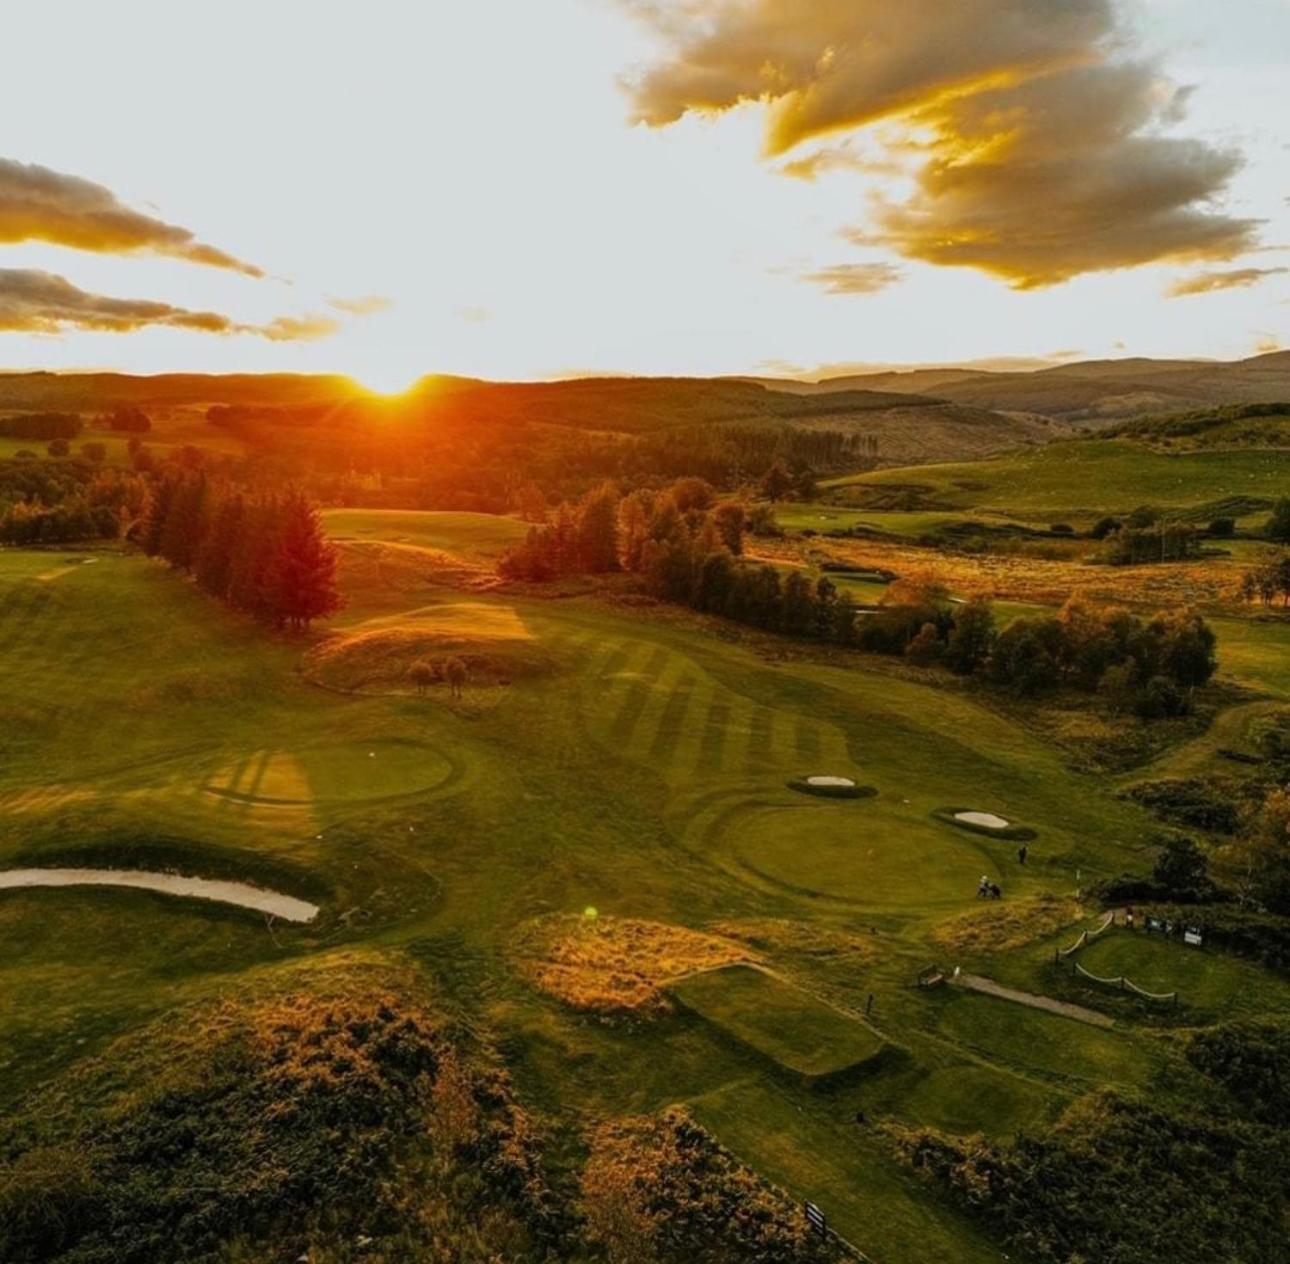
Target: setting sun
(645, 631)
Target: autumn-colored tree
(597, 530)
(456, 673)
(777, 482)
(422, 675)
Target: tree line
(263, 554)
(686, 543)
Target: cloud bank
(1036, 141)
(36, 302)
(37, 204)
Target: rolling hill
(1088, 393)
(910, 427)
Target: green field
(1206, 979)
(641, 771)
(1079, 479)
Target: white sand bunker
(987, 820)
(844, 782)
(240, 894)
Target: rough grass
(616, 965)
(1005, 925)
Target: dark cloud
(1208, 282)
(1034, 137)
(854, 278)
(37, 204)
(35, 302)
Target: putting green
(868, 854)
(1204, 978)
(350, 772)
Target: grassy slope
(1086, 477)
(645, 777)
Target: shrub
(1251, 1060)
(1278, 525)
(1120, 1182)
(1191, 802)
(1160, 699)
(1104, 527)
(662, 1190)
(1223, 528)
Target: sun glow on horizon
(389, 381)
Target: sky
(520, 189)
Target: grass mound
(378, 656)
(1009, 830)
(662, 1189)
(1002, 926)
(827, 786)
(616, 965)
(247, 1113)
(779, 1020)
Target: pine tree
(303, 572)
(248, 579)
(185, 523)
(219, 548)
(153, 526)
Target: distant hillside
(1090, 393)
(910, 427)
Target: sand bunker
(831, 786)
(240, 894)
(986, 820)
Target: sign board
(1155, 923)
(1193, 936)
(816, 1217)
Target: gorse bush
(1120, 1182)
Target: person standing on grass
(1022, 852)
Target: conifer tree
(155, 515)
(302, 576)
(220, 545)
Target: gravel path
(1081, 1015)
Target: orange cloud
(37, 204)
(35, 302)
(365, 305)
(854, 278)
(297, 328)
(1036, 143)
(1208, 282)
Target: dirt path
(988, 986)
